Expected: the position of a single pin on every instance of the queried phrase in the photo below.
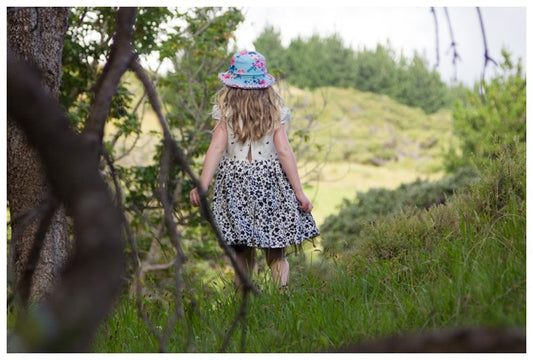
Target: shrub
(341, 231)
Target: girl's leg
(278, 265)
(245, 257)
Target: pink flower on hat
(247, 71)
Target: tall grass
(461, 264)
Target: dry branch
(488, 59)
(178, 156)
(120, 56)
(436, 35)
(453, 44)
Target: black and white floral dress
(253, 202)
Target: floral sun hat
(247, 71)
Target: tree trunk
(36, 35)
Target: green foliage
(377, 70)
(269, 42)
(318, 62)
(196, 42)
(87, 46)
(490, 213)
(489, 122)
(340, 232)
(418, 86)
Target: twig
(436, 35)
(241, 316)
(82, 17)
(167, 201)
(488, 59)
(182, 160)
(120, 203)
(453, 45)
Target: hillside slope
(367, 128)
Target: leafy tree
(269, 44)
(492, 120)
(419, 86)
(326, 61)
(376, 71)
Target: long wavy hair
(251, 113)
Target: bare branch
(453, 45)
(436, 35)
(488, 59)
(119, 58)
(120, 204)
(241, 316)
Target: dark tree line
(326, 61)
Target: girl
(258, 200)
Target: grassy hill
(359, 140)
(356, 141)
(367, 128)
(459, 265)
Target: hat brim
(246, 81)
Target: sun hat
(247, 71)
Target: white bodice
(262, 149)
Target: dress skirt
(254, 205)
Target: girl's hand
(194, 195)
(305, 203)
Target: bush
(485, 124)
(340, 231)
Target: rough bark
(37, 36)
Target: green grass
(342, 180)
(332, 305)
(360, 127)
(462, 264)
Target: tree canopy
(327, 61)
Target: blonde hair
(253, 113)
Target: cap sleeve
(285, 115)
(216, 113)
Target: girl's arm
(212, 159)
(288, 163)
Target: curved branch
(453, 45)
(120, 56)
(178, 155)
(94, 275)
(488, 59)
(436, 35)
